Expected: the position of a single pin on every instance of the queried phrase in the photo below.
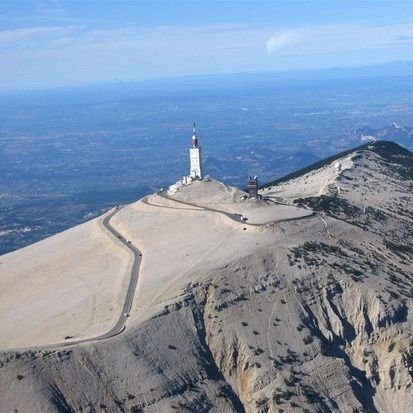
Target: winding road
(120, 325)
(130, 293)
(233, 216)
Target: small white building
(195, 159)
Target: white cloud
(26, 38)
(278, 41)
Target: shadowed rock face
(318, 321)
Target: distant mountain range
(392, 69)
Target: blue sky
(46, 44)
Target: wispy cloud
(280, 40)
(343, 41)
(46, 13)
(37, 37)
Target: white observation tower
(195, 157)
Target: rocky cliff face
(317, 320)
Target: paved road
(130, 293)
(233, 216)
(119, 327)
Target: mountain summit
(300, 301)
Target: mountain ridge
(310, 315)
(385, 148)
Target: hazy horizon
(396, 69)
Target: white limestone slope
(68, 285)
(71, 286)
(315, 183)
(216, 195)
(180, 242)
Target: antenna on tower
(194, 137)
